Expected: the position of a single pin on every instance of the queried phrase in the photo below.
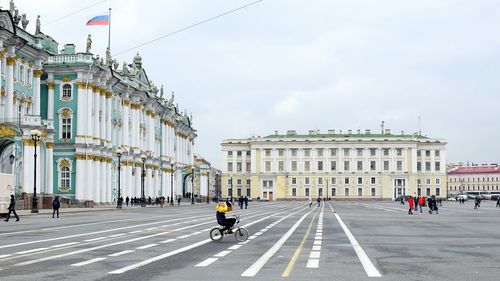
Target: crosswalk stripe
(88, 262)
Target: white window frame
(59, 112)
(60, 174)
(61, 96)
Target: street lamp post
(143, 176)
(208, 187)
(119, 154)
(217, 186)
(192, 187)
(35, 136)
(172, 184)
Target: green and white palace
(86, 109)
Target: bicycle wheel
(216, 234)
(241, 234)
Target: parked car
(452, 199)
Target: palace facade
(342, 165)
(86, 108)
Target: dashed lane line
(30, 251)
(146, 246)
(370, 269)
(175, 252)
(255, 268)
(117, 254)
(64, 245)
(88, 262)
(313, 261)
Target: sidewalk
(23, 213)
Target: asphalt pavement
(288, 241)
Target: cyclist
(225, 222)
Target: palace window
(386, 152)
(359, 152)
(320, 165)
(320, 152)
(373, 166)
(346, 151)
(307, 166)
(399, 165)
(386, 165)
(281, 166)
(64, 175)
(281, 152)
(346, 166)
(307, 152)
(65, 124)
(333, 152)
(333, 165)
(66, 92)
(230, 166)
(21, 74)
(373, 151)
(294, 166)
(399, 152)
(360, 165)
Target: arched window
(64, 173)
(66, 92)
(16, 71)
(30, 76)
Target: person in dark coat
(179, 201)
(56, 204)
(12, 208)
(127, 200)
(240, 202)
(498, 201)
(246, 202)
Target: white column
(96, 108)
(102, 106)
(204, 185)
(28, 167)
(89, 191)
(36, 88)
(103, 186)
(135, 125)
(50, 97)
(125, 121)
(90, 108)
(50, 167)
(137, 182)
(108, 121)
(97, 180)
(128, 182)
(80, 179)
(148, 189)
(82, 110)
(109, 185)
(9, 78)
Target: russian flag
(99, 20)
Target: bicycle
(241, 233)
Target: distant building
(474, 179)
(349, 165)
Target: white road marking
(4, 256)
(370, 269)
(146, 246)
(121, 253)
(92, 233)
(312, 263)
(316, 248)
(137, 231)
(117, 235)
(151, 228)
(95, 239)
(222, 254)
(30, 251)
(184, 236)
(254, 268)
(317, 242)
(64, 245)
(168, 241)
(314, 255)
(235, 247)
(175, 252)
(207, 262)
(88, 262)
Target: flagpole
(109, 31)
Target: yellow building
(349, 165)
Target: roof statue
(161, 92)
(115, 64)
(12, 7)
(37, 30)
(171, 101)
(108, 56)
(125, 69)
(16, 17)
(138, 61)
(89, 44)
(24, 21)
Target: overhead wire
(186, 28)
(75, 12)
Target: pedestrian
(178, 201)
(402, 200)
(149, 200)
(240, 202)
(434, 206)
(498, 201)
(310, 202)
(318, 201)
(476, 202)
(246, 202)
(127, 200)
(411, 204)
(12, 208)
(429, 204)
(415, 199)
(55, 206)
(421, 202)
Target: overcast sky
(332, 64)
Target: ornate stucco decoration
(7, 132)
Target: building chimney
(387, 131)
(275, 133)
(331, 132)
(359, 131)
(367, 131)
(349, 132)
(312, 132)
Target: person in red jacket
(411, 204)
(421, 203)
